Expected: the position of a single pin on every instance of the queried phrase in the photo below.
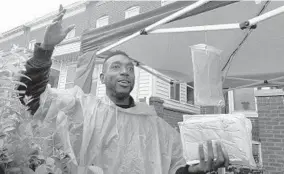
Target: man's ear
(102, 77)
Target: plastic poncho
(103, 138)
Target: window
(71, 34)
(133, 11)
(71, 75)
(190, 93)
(103, 21)
(32, 44)
(243, 101)
(175, 92)
(166, 2)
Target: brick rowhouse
(270, 105)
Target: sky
(14, 13)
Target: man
(117, 135)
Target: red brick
(266, 144)
(276, 164)
(276, 172)
(275, 148)
(274, 140)
(279, 127)
(271, 127)
(277, 131)
(268, 152)
(279, 136)
(270, 168)
(272, 123)
(267, 135)
(275, 156)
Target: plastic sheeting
(207, 72)
(231, 130)
(103, 138)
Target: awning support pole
(156, 24)
(244, 25)
(262, 17)
(197, 28)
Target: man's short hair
(108, 54)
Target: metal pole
(197, 28)
(151, 72)
(161, 22)
(267, 15)
(248, 23)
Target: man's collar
(130, 105)
(131, 102)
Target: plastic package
(206, 62)
(233, 131)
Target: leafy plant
(21, 139)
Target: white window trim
(179, 93)
(67, 83)
(32, 44)
(232, 106)
(98, 25)
(52, 68)
(129, 11)
(166, 2)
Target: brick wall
(170, 115)
(271, 129)
(173, 116)
(115, 10)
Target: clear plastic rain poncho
(103, 138)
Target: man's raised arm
(38, 67)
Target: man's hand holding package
(222, 160)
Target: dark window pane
(190, 93)
(177, 93)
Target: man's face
(118, 76)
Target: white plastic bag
(232, 130)
(207, 75)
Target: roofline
(70, 8)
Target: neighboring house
(178, 99)
(98, 14)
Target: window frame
(127, 13)
(167, 2)
(69, 83)
(175, 91)
(232, 106)
(32, 44)
(101, 19)
(187, 94)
